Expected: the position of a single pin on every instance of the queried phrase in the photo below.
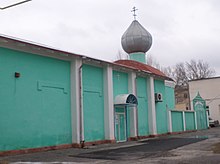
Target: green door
(201, 117)
(120, 125)
(200, 108)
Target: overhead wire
(15, 4)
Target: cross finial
(134, 10)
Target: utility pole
(15, 4)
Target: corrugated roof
(140, 66)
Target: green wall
(120, 83)
(143, 128)
(93, 103)
(190, 120)
(35, 108)
(161, 112)
(169, 97)
(177, 121)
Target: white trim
(133, 112)
(109, 106)
(82, 136)
(122, 100)
(184, 121)
(170, 84)
(75, 100)
(151, 106)
(41, 51)
(196, 127)
(207, 117)
(170, 128)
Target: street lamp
(15, 4)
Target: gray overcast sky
(181, 29)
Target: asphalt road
(196, 147)
(148, 148)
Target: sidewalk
(65, 154)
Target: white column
(75, 99)
(170, 128)
(207, 117)
(151, 107)
(109, 104)
(133, 111)
(184, 121)
(195, 120)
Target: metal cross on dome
(134, 10)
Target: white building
(209, 90)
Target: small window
(185, 95)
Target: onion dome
(136, 38)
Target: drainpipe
(82, 141)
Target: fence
(179, 121)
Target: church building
(52, 99)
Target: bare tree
(153, 62)
(183, 72)
(150, 60)
(180, 74)
(121, 55)
(168, 71)
(198, 70)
